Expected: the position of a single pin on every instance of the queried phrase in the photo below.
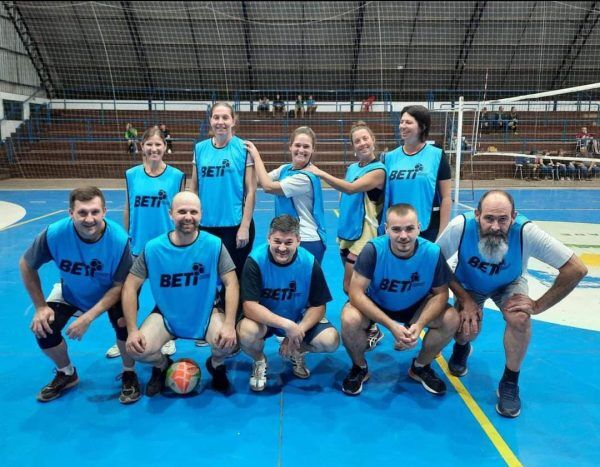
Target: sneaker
(353, 382)
(113, 352)
(130, 388)
(299, 365)
(156, 383)
(374, 335)
(258, 380)
(54, 389)
(509, 403)
(219, 376)
(427, 377)
(201, 343)
(169, 348)
(458, 361)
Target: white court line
(466, 206)
(27, 310)
(19, 224)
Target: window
(13, 110)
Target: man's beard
(492, 247)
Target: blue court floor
(305, 422)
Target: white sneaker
(201, 343)
(169, 348)
(113, 352)
(300, 369)
(258, 380)
(279, 338)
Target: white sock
(127, 368)
(419, 365)
(68, 370)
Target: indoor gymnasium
(300, 233)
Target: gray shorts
(501, 295)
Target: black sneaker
(353, 382)
(54, 388)
(427, 377)
(130, 388)
(458, 360)
(156, 383)
(219, 376)
(509, 403)
(374, 335)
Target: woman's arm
(373, 179)
(265, 181)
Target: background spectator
(485, 120)
(263, 106)
(311, 106)
(586, 143)
(131, 137)
(513, 120)
(299, 107)
(167, 137)
(278, 106)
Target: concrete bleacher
(90, 143)
(77, 143)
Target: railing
(339, 100)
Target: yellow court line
(490, 430)
(509, 457)
(590, 259)
(501, 446)
(19, 224)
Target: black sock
(510, 376)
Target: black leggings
(64, 312)
(228, 237)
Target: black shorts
(64, 312)
(308, 337)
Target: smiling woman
(10, 213)
(298, 191)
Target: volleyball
(183, 376)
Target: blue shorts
(308, 337)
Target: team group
(195, 248)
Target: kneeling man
(284, 293)
(183, 267)
(401, 282)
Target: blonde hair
(360, 125)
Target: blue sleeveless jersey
(412, 180)
(284, 205)
(220, 180)
(475, 273)
(149, 203)
(400, 283)
(86, 269)
(285, 288)
(184, 282)
(352, 207)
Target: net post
(458, 148)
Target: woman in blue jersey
(150, 188)
(298, 191)
(419, 173)
(361, 200)
(223, 178)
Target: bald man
(183, 268)
(494, 244)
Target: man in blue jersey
(284, 293)
(93, 256)
(400, 281)
(494, 245)
(183, 267)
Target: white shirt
(536, 243)
(299, 187)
